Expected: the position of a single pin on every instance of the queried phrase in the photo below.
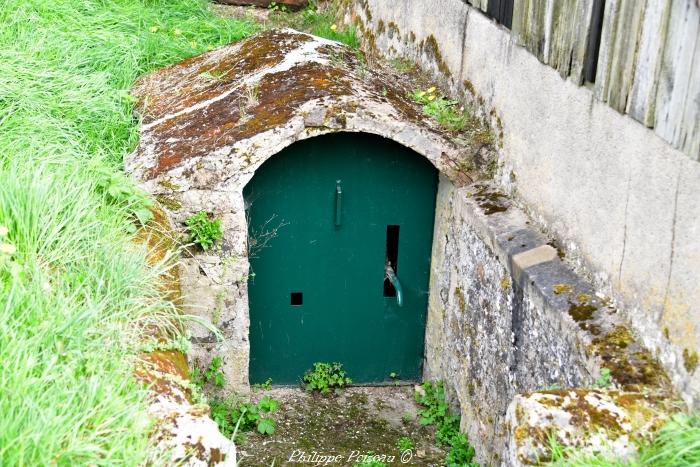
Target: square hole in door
(296, 298)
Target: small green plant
(119, 190)
(605, 380)
(405, 444)
(274, 6)
(325, 376)
(230, 413)
(394, 377)
(432, 398)
(369, 460)
(436, 412)
(204, 231)
(211, 374)
(461, 453)
(264, 386)
(447, 112)
(403, 65)
(180, 343)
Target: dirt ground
(340, 428)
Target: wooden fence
(642, 57)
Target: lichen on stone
(690, 360)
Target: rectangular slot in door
(296, 298)
(392, 257)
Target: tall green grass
(76, 292)
(676, 445)
(320, 19)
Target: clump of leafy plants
(264, 386)
(120, 191)
(369, 460)
(436, 412)
(211, 374)
(405, 444)
(234, 416)
(403, 65)
(448, 113)
(203, 230)
(605, 379)
(326, 376)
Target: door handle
(395, 282)
(338, 203)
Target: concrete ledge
(508, 316)
(593, 421)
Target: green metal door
(326, 215)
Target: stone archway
(505, 311)
(210, 121)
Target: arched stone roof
(211, 120)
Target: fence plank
(567, 46)
(690, 126)
(480, 4)
(529, 25)
(678, 70)
(650, 54)
(616, 66)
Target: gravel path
(337, 429)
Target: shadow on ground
(355, 422)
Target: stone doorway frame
(196, 155)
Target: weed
(405, 444)
(274, 6)
(211, 374)
(394, 377)
(229, 413)
(264, 386)
(181, 343)
(605, 380)
(445, 111)
(369, 460)
(326, 376)
(403, 65)
(203, 230)
(461, 452)
(251, 96)
(121, 191)
(436, 412)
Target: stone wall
(507, 316)
(620, 200)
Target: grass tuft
(676, 445)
